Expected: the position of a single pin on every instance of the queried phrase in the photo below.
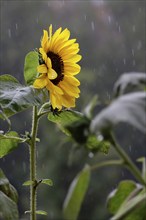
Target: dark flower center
(57, 65)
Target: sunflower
(57, 66)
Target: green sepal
(30, 67)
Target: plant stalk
(127, 160)
(33, 164)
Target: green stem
(33, 164)
(127, 160)
(106, 163)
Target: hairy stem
(33, 164)
(127, 160)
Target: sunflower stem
(127, 160)
(32, 151)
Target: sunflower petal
(43, 53)
(40, 83)
(55, 101)
(74, 58)
(71, 69)
(42, 68)
(54, 37)
(50, 31)
(49, 63)
(53, 88)
(52, 74)
(68, 101)
(72, 80)
(69, 89)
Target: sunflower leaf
(8, 143)
(30, 67)
(48, 182)
(8, 199)
(15, 97)
(129, 81)
(76, 194)
(28, 183)
(129, 108)
(127, 201)
(72, 123)
(41, 212)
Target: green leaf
(129, 81)
(128, 108)
(14, 97)
(127, 202)
(132, 209)
(30, 67)
(117, 197)
(8, 199)
(72, 123)
(41, 212)
(8, 143)
(76, 194)
(47, 182)
(28, 183)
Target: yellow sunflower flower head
(58, 65)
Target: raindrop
(9, 33)
(92, 26)
(109, 19)
(13, 162)
(24, 166)
(139, 45)
(124, 61)
(85, 17)
(133, 28)
(133, 53)
(133, 63)
(37, 20)
(16, 26)
(130, 148)
(90, 155)
(100, 137)
(119, 28)
(140, 10)
(123, 174)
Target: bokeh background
(112, 41)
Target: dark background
(112, 41)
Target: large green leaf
(72, 123)
(8, 199)
(76, 125)
(30, 67)
(8, 143)
(127, 202)
(15, 97)
(76, 194)
(129, 81)
(117, 197)
(129, 108)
